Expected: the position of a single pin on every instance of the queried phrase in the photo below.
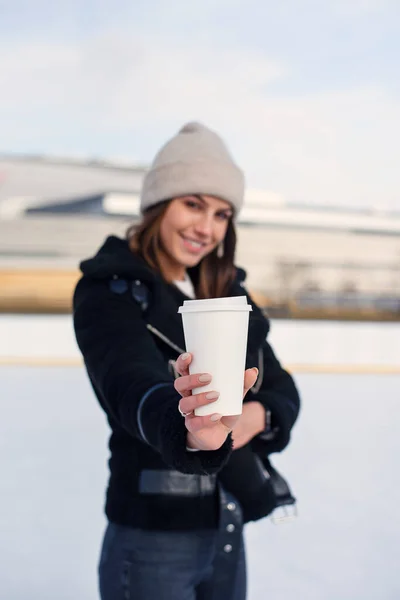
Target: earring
(220, 250)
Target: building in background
(301, 260)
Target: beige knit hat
(195, 161)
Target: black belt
(174, 483)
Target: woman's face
(192, 226)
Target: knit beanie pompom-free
(194, 161)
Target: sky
(305, 93)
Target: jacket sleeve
(131, 377)
(279, 395)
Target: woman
(181, 487)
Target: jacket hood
(114, 258)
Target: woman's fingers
(184, 385)
(182, 363)
(187, 404)
(195, 424)
(250, 378)
(208, 432)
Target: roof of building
(43, 184)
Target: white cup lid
(233, 303)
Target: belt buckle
(284, 514)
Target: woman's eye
(222, 216)
(192, 204)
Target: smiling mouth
(194, 244)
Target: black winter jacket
(129, 350)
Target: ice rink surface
(342, 464)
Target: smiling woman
(181, 486)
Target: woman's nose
(204, 225)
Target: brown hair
(212, 277)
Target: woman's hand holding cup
(211, 431)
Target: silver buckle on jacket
(284, 514)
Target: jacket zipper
(164, 338)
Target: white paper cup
(216, 335)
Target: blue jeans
(137, 564)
